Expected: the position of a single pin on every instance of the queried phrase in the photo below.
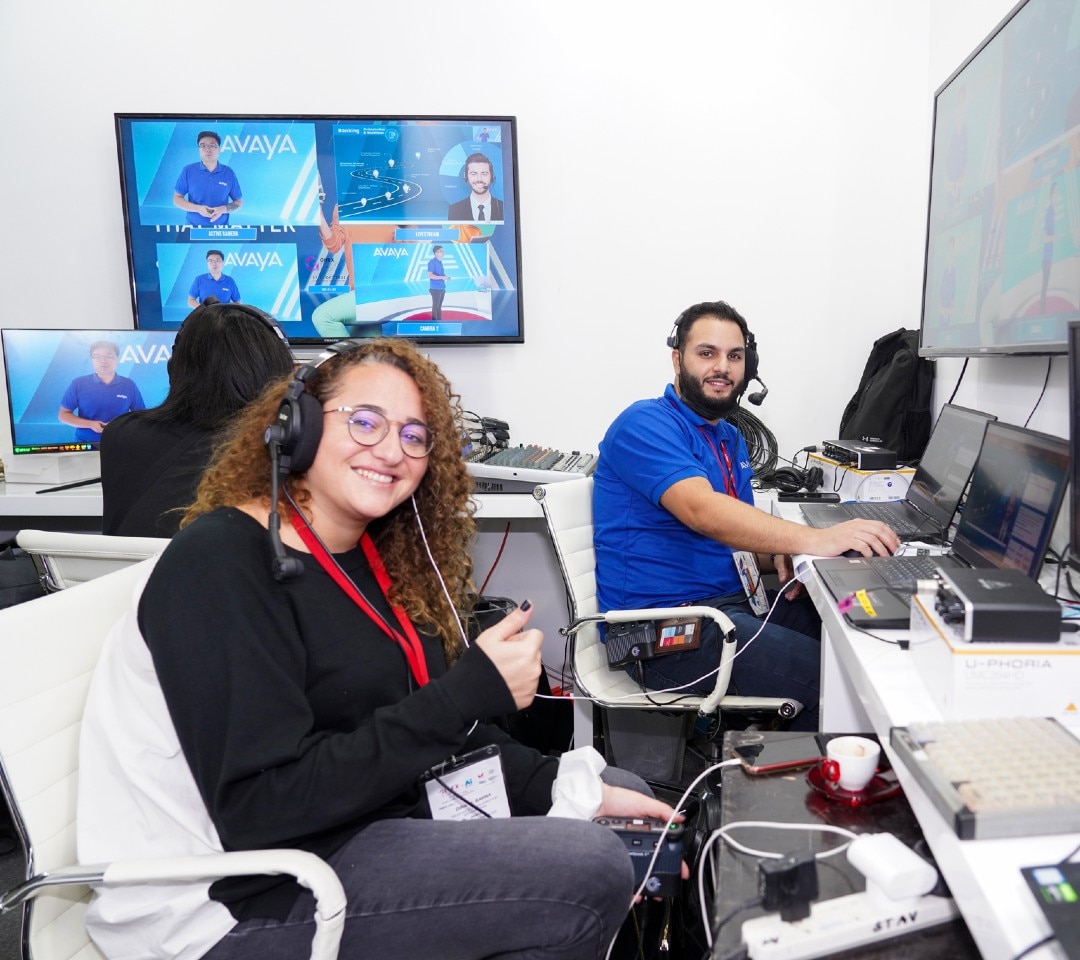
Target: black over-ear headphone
(297, 429)
(293, 440)
(723, 312)
(793, 479)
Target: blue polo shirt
(645, 557)
(435, 265)
(209, 188)
(90, 397)
(225, 288)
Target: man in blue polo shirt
(208, 190)
(99, 396)
(436, 281)
(674, 522)
(213, 284)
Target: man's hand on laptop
(864, 536)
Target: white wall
(773, 154)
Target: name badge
(469, 787)
(746, 564)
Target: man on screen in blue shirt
(213, 284)
(674, 522)
(208, 190)
(436, 282)
(99, 396)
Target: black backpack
(892, 406)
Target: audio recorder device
(861, 456)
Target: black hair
(478, 158)
(210, 253)
(709, 308)
(207, 133)
(224, 356)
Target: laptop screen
(946, 464)
(1016, 492)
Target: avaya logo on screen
(256, 143)
(251, 258)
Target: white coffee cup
(852, 762)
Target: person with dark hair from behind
(297, 684)
(223, 357)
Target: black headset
(724, 312)
(293, 440)
(793, 479)
(295, 434)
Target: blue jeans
(784, 661)
(516, 889)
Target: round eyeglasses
(369, 427)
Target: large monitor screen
(1074, 443)
(1002, 268)
(336, 226)
(63, 386)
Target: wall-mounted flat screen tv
(1002, 268)
(336, 226)
(63, 386)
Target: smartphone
(818, 497)
(776, 755)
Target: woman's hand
(515, 652)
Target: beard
(710, 408)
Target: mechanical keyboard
(519, 469)
(999, 777)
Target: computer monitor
(93, 375)
(1002, 266)
(337, 226)
(1073, 373)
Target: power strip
(842, 923)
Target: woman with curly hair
(298, 686)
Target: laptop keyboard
(902, 572)
(887, 514)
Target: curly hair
(240, 473)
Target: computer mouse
(851, 553)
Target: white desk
(80, 507)
(871, 685)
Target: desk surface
(22, 506)
(788, 798)
(876, 686)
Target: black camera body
(642, 835)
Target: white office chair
(49, 648)
(65, 559)
(568, 511)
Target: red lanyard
(410, 642)
(725, 464)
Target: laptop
(1016, 492)
(936, 488)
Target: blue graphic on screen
(273, 161)
(398, 171)
(41, 365)
(316, 191)
(265, 274)
(392, 283)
